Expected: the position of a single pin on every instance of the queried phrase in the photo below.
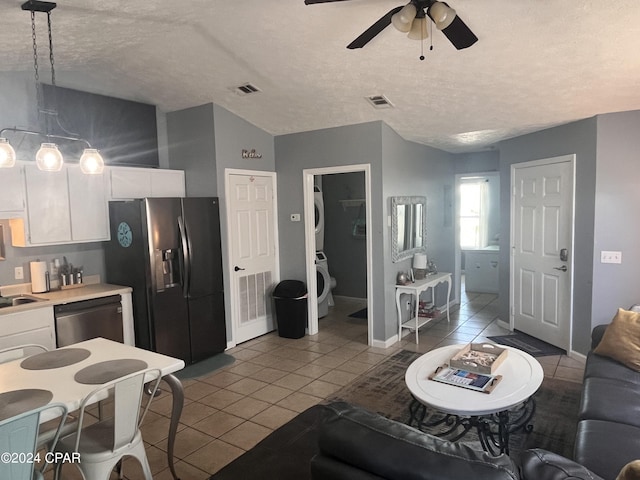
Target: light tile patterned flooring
(274, 379)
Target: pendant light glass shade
(418, 29)
(442, 15)
(49, 158)
(91, 162)
(402, 20)
(7, 154)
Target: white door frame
(535, 163)
(310, 240)
(276, 278)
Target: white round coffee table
(521, 374)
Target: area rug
(383, 390)
(286, 453)
(205, 367)
(359, 314)
(529, 344)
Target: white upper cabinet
(11, 190)
(49, 220)
(167, 183)
(51, 208)
(129, 182)
(61, 207)
(89, 209)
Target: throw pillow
(631, 471)
(621, 339)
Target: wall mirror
(408, 227)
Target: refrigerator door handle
(186, 265)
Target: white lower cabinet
(481, 271)
(30, 326)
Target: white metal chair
(18, 440)
(103, 444)
(20, 351)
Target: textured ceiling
(537, 63)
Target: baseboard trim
(386, 343)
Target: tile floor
(274, 379)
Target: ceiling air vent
(379, 101)
(246, 89)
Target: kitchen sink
(14, 300)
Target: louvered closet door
(253, 254)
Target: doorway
(310, 240)
(542, 237)
(477, 234)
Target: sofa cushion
(395, 451)
(606, 447)
(605, 367)
(621, 339)
(540, 464)
(610, 400)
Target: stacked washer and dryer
(324, 280)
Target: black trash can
(290, 297)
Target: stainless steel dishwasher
(87, 319)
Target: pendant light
(91, 162)
(7, 154)
(48, 158)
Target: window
(473, 212)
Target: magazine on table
(466, 379)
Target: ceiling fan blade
(374, 29)
(459, 34)
(311, 2)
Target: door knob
(237, 268)
(562, 268)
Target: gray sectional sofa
(608, 435)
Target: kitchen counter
(35, 322)
(60, 297)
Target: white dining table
(56, 377)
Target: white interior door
(253, 259)
(542, 248)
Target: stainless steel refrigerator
(168, 250)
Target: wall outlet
(610, 257)
(295, 217)
(19, 273)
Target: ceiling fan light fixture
(441, 14)
(418, 29)
(49, 158)
(402, 20)
(7, 154)
(91, 162)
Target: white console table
(415, 289)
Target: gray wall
(574, 138)
(616, 214)
(354, 144)
(206, 140)
(413, 169)
(346, 254)
(192, 148)
(475, 162)
(88, 255)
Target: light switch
(19, 273)
(610, 257)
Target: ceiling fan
(412, 19)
